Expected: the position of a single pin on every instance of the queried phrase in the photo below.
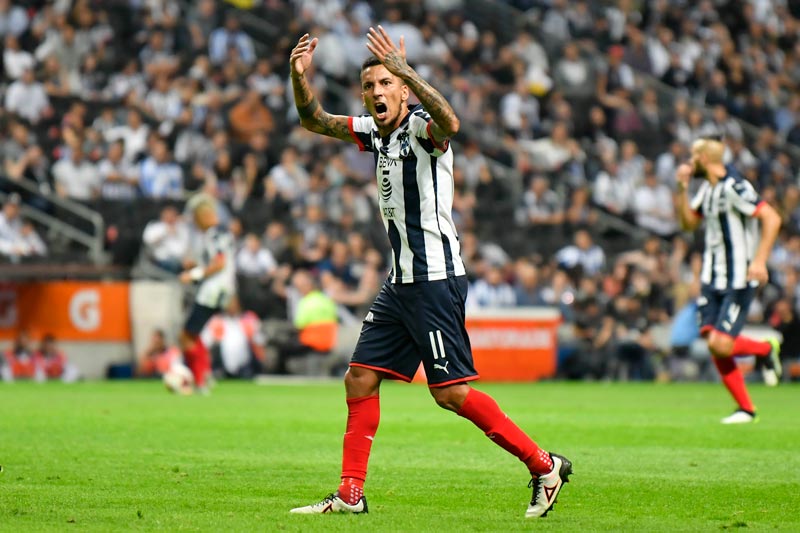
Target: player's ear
(404, 93)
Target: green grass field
(128, 456)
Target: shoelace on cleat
(534, 484)
(326, 500)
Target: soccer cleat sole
(564, 472)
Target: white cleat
(740, 416)
(772, 369)
(332, 503)
(547, 487)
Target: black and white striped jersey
(415, 183)
(731, 230)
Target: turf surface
(128, 456)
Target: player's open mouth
(380, 110)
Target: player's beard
(699, 171)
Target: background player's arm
(770, 226)
(199, 273)
(312, 116)
(445, 122)
(688, 218)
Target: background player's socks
(734, 381)
(483, 411)
(363, 416)
(747, 346)
(199, 362)
(351, 490)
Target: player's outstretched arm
(445, 121)
(689, 220)
(312, 116)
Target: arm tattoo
(434, 103)
(313, 117)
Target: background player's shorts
(416, 322)
(724, 310)
(198, 316)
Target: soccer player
(418, 316)
(216, 277)
(734, 264)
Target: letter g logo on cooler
(84, 309)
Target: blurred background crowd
(574, 117)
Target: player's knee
(361, 382)
(450, 398)
(720, 345)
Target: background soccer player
(216, 277)
(734, 264)
(419, 313)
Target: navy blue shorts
(198, 316)
(418, 322)
(724, 310)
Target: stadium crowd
(575, 118)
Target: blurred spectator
(229, 40)
(652, 207)
(159, 176)
(528, 286)
(249, 117)
(27, 98)
(167, 241)
(119, 180)
(541, 206)
(18, 238)
(491, 290)
(236, 342)
(583, 253)
(15, 60)
(611, 192)
(255, 261)
(13, 19)
(158, 357)
(76, 177)
(53, 363)
(312, 313)
(20, 360)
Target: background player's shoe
(332, 503)
(772, 369)
(740, 416)
(547, 487)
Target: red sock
(483, 411)
(748, 346)
(734, 381)
(363, 416)
(199, 362)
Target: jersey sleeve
(420, 124)
(696, 204)
(743, 197)
(361, 131)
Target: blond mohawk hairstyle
(713, 148)
(199, 201)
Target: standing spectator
(584, 253)
(27, 98)
(118, 178)
(76, 177)
(491, 290)
(230, 38)
(159, 176)
(236, 342)
(167, 241)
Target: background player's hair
(199, 201)
(712, 146)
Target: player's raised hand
(382, 46)
(683, 174)
(302, 54)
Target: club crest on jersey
(405, 143)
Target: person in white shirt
(76, 177)
(134, 134)
(18, 238)
(652, 206)
(15, 60)
(167, 241)
(159, 177)
(120, 180)
(27, 98)
(253, 260)
(236, 342)
(583, 253)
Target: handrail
(93, 242)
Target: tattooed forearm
(434, 103)
(313, 117)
